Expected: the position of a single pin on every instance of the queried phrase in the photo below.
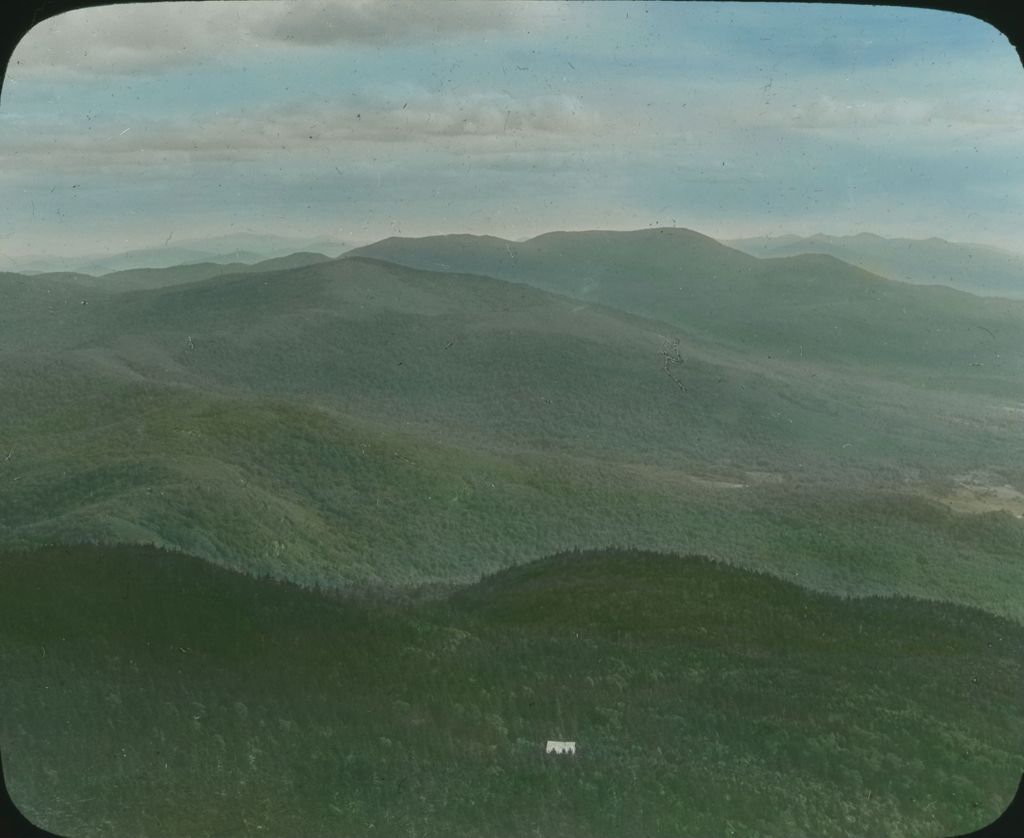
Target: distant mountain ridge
(975, 268)
(248, 248)
(142, 278)
(798, 307)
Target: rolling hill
(358, 420)
(974, 268)
(148, 693)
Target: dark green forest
(150, 694)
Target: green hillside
(463, 385)
(46, 312)
(151, 694)
(356, 420)
(807, 307)
(501, 363)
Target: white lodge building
(554, 746)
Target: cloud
(481, 115)
(152, 38)
(314, 22)
(950, 117)
(485, 122)
(131, 39)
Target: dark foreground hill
(359, 420)
(146, 693)
(805, 307)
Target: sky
(133, 126)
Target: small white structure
(554, 746)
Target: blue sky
(120, 127)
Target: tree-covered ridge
(358, 420)
(149, 693)
(322, 497)
(806, 307)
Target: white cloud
(151, 38)
(483, 122)
(316, 22)
(124, 39)
(482, 114)
(950, 117)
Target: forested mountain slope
(356, 419)
(702, 698)
(806, 307)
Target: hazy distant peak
(974, 268)
(298, 259)
(828, 262)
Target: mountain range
(975, 268)
(810, 307)
(233, 248)
(336, 420)
(333, 544)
